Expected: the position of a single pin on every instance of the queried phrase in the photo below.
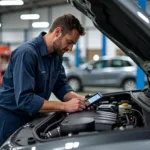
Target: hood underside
(123, 22)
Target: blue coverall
(31, 76)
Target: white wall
(88, 22)
(13, 28)
(12, 21)
(12, 37)
(44, 16)
(63, 9)
(111, 48)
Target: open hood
(124, 22)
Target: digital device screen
(94, 98)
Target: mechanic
(35, 71)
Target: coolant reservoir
(124, 108)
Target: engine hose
(51, 125)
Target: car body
(118, 71)
(117, 120)
(69, 60)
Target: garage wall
(12, 21)
(14, 29)
(63, 9)
(45, 16)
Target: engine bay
(113, 112)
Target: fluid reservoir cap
(125, 104)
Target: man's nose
(70, 47)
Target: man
(34, 71)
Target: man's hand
(75, 104)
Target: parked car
(119, 120)
(119, 71)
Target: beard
(58, 50)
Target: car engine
(110, 113)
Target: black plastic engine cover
(88, 121)
(73, 124)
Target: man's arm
(61, 86)
(24, 82)
(73, 105)
(62, 90)
(71, 95)
(24, 64)
(52, 106)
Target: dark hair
(67, 22)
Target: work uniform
(31, 76)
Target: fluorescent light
(30, 16)
(40, 24)
(0, 24)
(143, 17)
(11, 2)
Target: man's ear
(58, 31)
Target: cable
(135, 121)
(128, 121)
(135, 109)
(138, 112)
(48, 127)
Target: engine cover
(88, 121)
(76, 125)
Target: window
(127, 63)
(100, 64)
(116, 63)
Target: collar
(42, 45)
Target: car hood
(124, 22)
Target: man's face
(64, 43)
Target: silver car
(119, 71)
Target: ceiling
(29, 4)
